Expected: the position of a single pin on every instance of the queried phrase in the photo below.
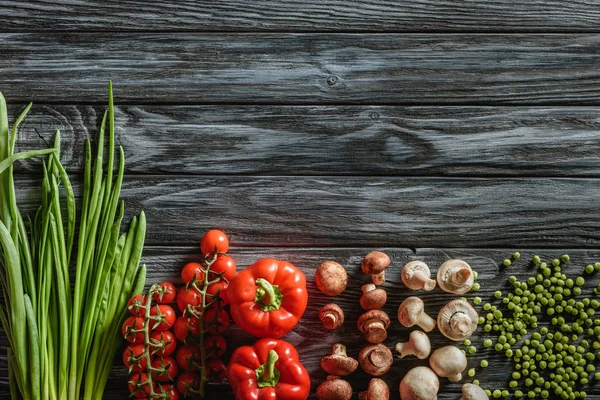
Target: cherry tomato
(187, 355)
(167, 315)
(215, 345)
(186, 326)
(187, 383)
(138, 385)
(168, 341)
(214, 239)
(217, 371)
(130, 324)
(216, 322)
(192, 271)
(167, 389)
(134, 357)
(219, 288)
(137, 305)
(168, 294)
(223, 265)
(169, 367)
(188, 296)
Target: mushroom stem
(379, 278)
(339, 350)
(425, 280)
(460, 275)
(426, 322)
(455, 378)
(405, 349)
(375, 332)
(329, 320)
(460, 322)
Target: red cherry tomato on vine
(186, 326)
(191, 271)
(215, 345)
(187, 355)
(134, 357)
(167, 315)
(168, 366)
(168, 294)
(216, 322)
(217, 371)
(130, 324)
(214, 239)
(219, 288)
(168, 389)
(188, 383)
(138, 385)
(137, 305)
(187, 297)
(168, 341)
(223, 265)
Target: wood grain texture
(304, 16)
(303, 68)
(329, 140)
(362, 211)
(313, 342)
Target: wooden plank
(313, 342)
(303, 68)
(362, 211)
(329, 140)
(305, 16)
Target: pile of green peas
(549, 362)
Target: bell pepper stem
(267, 374)
(269, 295)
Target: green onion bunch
(64, 304)
(558, 359)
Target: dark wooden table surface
(317, 130)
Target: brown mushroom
(448, 362)
(473, 392)
(375, 359)
(420, 383)
(334, 388)
(338, 362)
(331, 278)
(372, 297)
(418, 345)
(455, 276)
(457, 320)
(374, 324)
(375, 264)
(416, 276)
(412, 312)
(331, 316)
(377, 390)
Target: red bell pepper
(268, 298)
(268, 370)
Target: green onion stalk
(64, 304)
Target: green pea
(507, 262)
(476, 286)
(477, 300)
(536, 260)
(518, 393)
(483, 364)
(565, 258)
(471, 372)
(580, 281)
(497, 294)
(577, 291)
(597, 266)
(472, 350)
(589, 269)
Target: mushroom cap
(447, 280)
(448, 361)
(334, 388)
(421, 344)
(473, 392)
(377, 390)
(457, 320)
(410, 269)
(374, 316)
(375, 359)
(331, 278)
(419, 383)
(372, 297)
(375, 262)
(410, 311)
(338, 362)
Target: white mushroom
(448, 362)
(455, 276)
(375, 264)
(457, 320)
(419, 383)
(412, 312)
(473, 392)
(416, 276)
(372, 297)
(377, 390)
(418, 345)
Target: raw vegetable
(64, 327)
(270, 369)
(268, 298)
(334, 388)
